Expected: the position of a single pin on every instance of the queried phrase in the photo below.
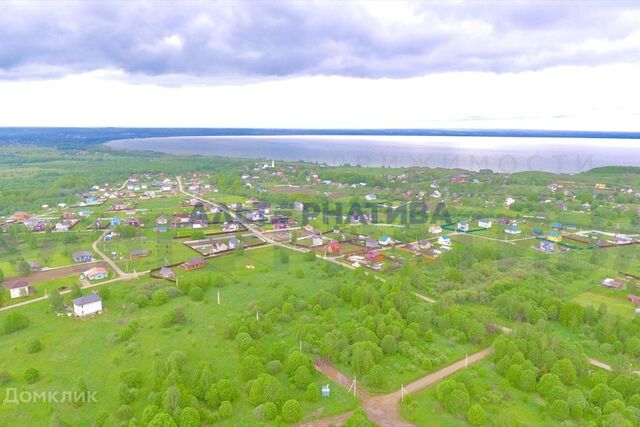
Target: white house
(514, 229)
(436, 194)
(484, 223)
(370, 197)
(87, 305)
(435, 229)
(96, 273)
(444, 240)
(19, 289)
(385, 240)
(509, 201)
(463, 226)
(316, 240)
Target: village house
(160, 229)
(167, 273)
(554, 236)
(192, 264)
(612, 283)
(424, 244)
(162, 220)
(35, 266)
(373, 257)
(82, 256)
(298, 206)
(462, 226)
(19, 289)
(20, 216)
(233, 243)
(485, 223)
(334, 247)
(385, 240)
(181, 220)
(435, 229)
(370, 197)
(96, 273)
(444, 240)
(317, 240)
(140, 253)
(547, 246)
(370, 243)
(87, 305)
(634, 299)
(512, 229)
(230, 226)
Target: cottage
(373, 257)
(140, 253)
(192, 264)
(160, 229)
(424, 244)
(167, 273)
(162, 220)
(115, 221)
(230, 226)
(96, 273)
(19, 289)
(309, 228)
(634, 299)
(462, 226)
(370, 197)
(600, 186)
(180, 220)
(370, 243)
(554, 236)
(35, 266)
(485, 223)
(612, 283)
(233, 243)
(444, 240)
(435, 229)
(385, 240)
(537, 231)
(512, 229)
(298, 206)
(87, 305)
(505, 221)
(547, 246)
(334, 247)
(317, 240)
(83, 256)
(557, 226)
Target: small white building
(317, 240)
(463, 226)
(444, 240)
(485, 223)
(370, 197)
(87, 305)
(19, 289)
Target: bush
(34, 345)
(5, 377)
(174, 317)
(302, 377)
(31, 375)
(266, 388)
(14, 322)
(225, 410)
(560, 410)
(196, 293)
(141, 300)
(476, 415)
(159, 297)
(313, 392)
(291, 411)
(274, 366)
(270, 411)
(189, 417)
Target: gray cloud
(233, 41)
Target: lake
(501, 154)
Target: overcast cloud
(248, 41)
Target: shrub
(270, 411)
(34, 345)
(159, 297)
(132, 378)
(141, 300)
(313, 392)
(560, 410)
(274, 366)
(31, 375)
(266, 388)
(291, 411)
(476, 415)
(302, 377)
(14, 322)
(189, 417)
(174, 317)
(5, 377)
(225, 410)
(196, 293)
(226, 390)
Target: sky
(303, 64)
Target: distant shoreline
(501, 154)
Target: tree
(565, 370)
(577, 403)
(162, 420)
(149, 413)
(159, 297)
(377, 376)
(291, 411)
(171, 399)
(266, 388)
(476, 415)
(547, 384)
(75, 291)
(295, 360)
(389, 344)
(55, 300)
(24, 268)
(251, 366)
(226, 390)
(358, 419)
